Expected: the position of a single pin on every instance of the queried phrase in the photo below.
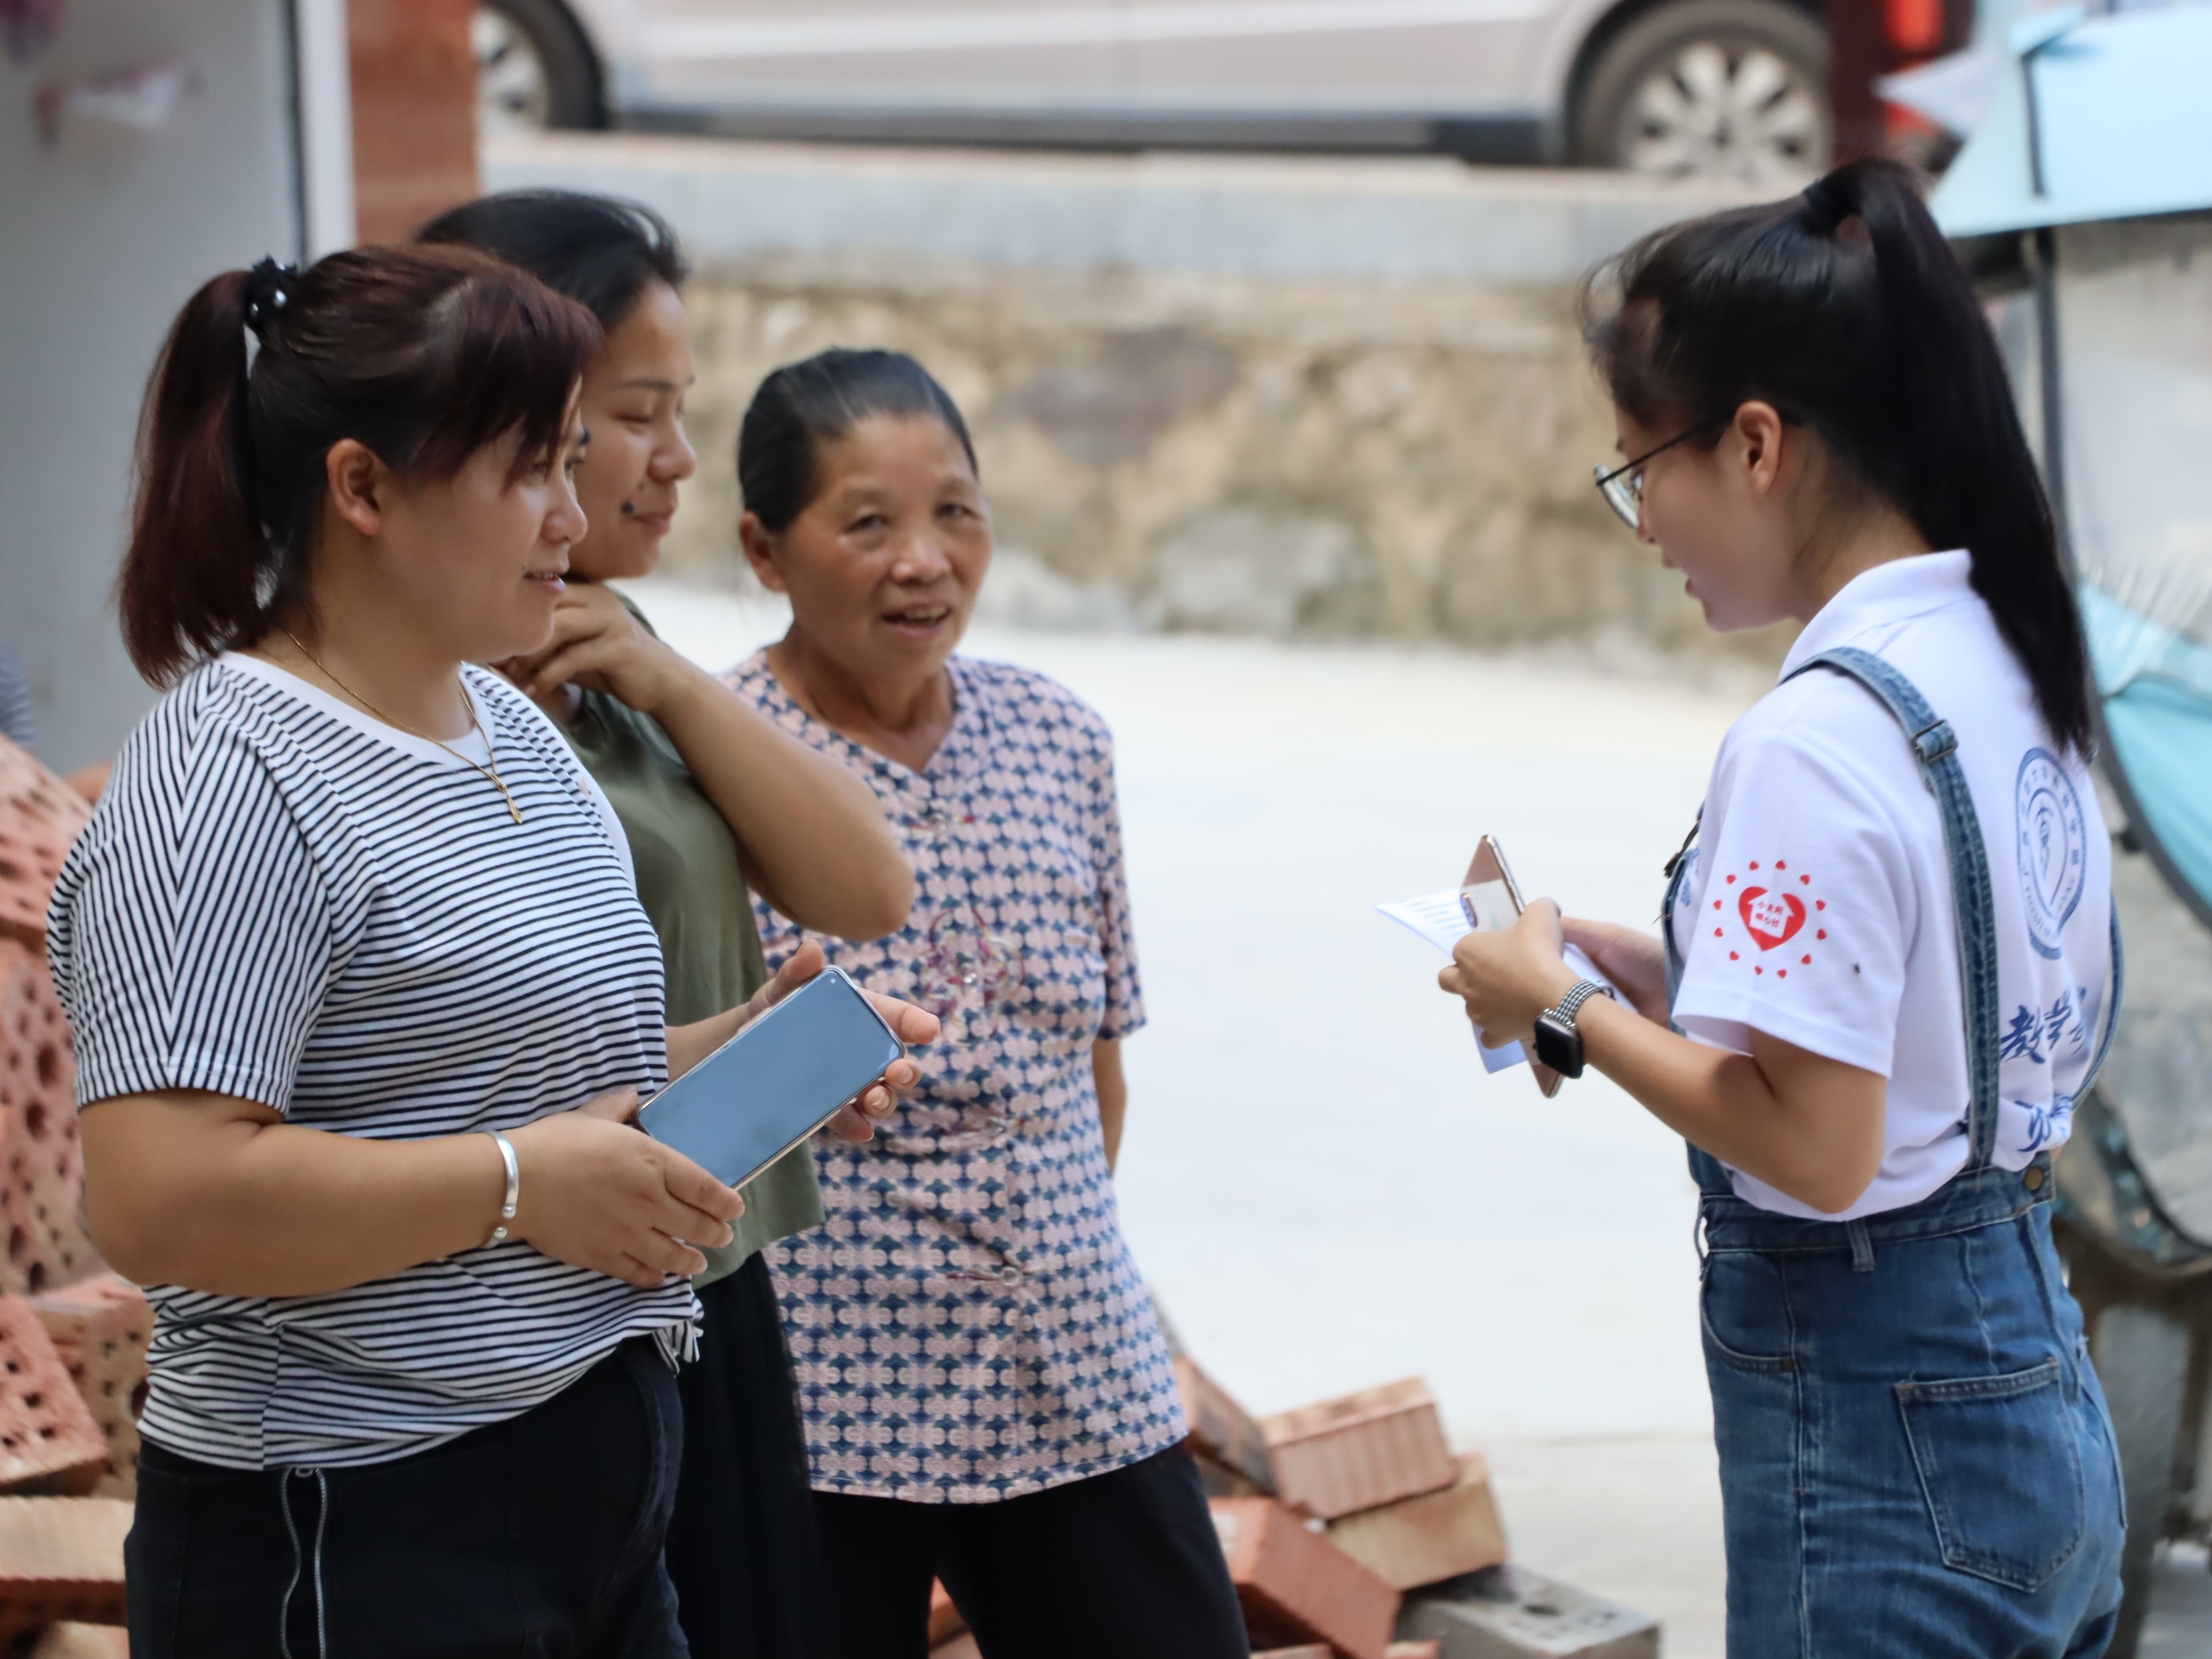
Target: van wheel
(534, 69)
(1710, 88)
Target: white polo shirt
(1819, 909)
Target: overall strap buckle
(1934, 741)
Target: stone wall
(1285, 458)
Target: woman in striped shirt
(363, 995)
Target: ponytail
(1973, 482)
(192, 575)
(425, 355)
(1846, 309)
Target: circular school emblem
(2053, 845)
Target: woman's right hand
(1635, 961)
(596, 1193)
(597, 645)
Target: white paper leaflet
(1443, 919)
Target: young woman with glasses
(363, 996)
(1888, 965)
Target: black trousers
(741, 1547)
(1122, 1563)
(539, 1538)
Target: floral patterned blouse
(968, 1324)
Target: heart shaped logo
(1771, 919)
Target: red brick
(1361, 1451)
(61, 1559)
(1297, 1587)
(48, 1441)
(1428, 1539)
(44, 1239)
(1230, 1447)
(945, 1619)
(75, 1641)
(100, 1327)
(413, 82)
(39, 817)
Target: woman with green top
(715, 800)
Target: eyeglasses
(1623, 487)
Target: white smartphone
(777, 1082)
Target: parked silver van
(1726, 87)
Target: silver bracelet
(513, 1186)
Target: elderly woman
(987, 1395)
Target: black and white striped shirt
(281, 899)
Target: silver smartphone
(777, 1082)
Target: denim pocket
(2001, 1467)
(1745, 1311)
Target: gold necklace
(467, 701)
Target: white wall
(102, 237)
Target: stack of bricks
(41, 1175)
(61, 1559)
(73, 1336)
(1353, 1532)
(101, 1329)
(1326, 1516)
(1376, 1468)
(1276, 1486)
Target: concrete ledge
(1389, 218)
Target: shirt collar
(954, 755)
(1891, 592)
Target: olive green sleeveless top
(692, 888)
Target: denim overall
(1915, 1455)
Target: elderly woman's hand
(858, 1120)
(1508, 978)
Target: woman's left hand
(1508, 978)
(858, 1119)
(597, 645)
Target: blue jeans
(1915, 1458)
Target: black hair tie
(1828, 203)
(268, 293)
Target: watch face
(1559, 1046)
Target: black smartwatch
(1558, 1044)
